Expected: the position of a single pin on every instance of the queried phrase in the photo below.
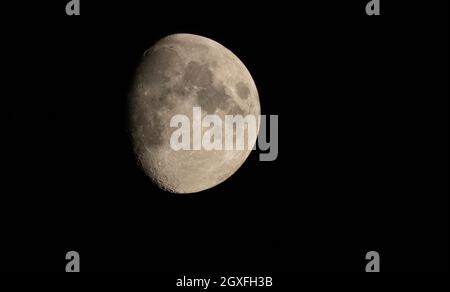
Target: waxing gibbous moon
(177, 73)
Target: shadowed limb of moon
(177, 73)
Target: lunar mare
(179, 72)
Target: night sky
(363, 141)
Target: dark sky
(363, 140)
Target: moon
(177, 73)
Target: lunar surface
(179, 72)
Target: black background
(363, 150)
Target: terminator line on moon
(179, 72)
